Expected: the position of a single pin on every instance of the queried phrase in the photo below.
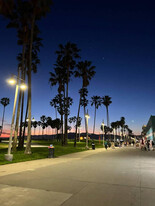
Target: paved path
(120, 177)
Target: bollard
(93, 146)
(51, 151)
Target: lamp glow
(87, 116)
(11, 81)
(33, 120)
(23, 86)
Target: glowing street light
(33, 119)
(14, 80)
(11, 81)
(103, 132)
(87, 117)
(23, 86)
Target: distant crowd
(146, 145)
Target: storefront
(150, 129)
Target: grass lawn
(42, 152)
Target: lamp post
(103, 132)
(33, 120)
(13, 80)
(87, 117)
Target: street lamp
(87, 117)
(79, 132)
(33, 119)
(103, 132)
(14, 80)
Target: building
(150, 129)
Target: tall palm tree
(57, 78)
(85, 70)
(125, 129)
(84, 101)
(106, 100)
(122, 124)
(96, 101)
(38, 9)
(53, 103)
(114, 127)
(23, 16)
(67, 55)
(117, 126)
(4, 101)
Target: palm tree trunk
(22, 105)
(21, 144)
(61, 113)
(66, 109)
(28, 145)
(3, 119)
(56, 130)
(85, 118)
(94, 120)
(77, 120)
(21, 120)
(62, 135)
(107, 116)
(56, 113)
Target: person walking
(106, 144)
(148, 145)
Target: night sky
(119, 39)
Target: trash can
(51, 151)
(93, 146)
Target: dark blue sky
(118, 37)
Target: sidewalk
(35, 164)
(117, 177)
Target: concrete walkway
(119, 177)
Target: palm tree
(38, 9)
(84, 101)
(56, 123)
(85, 70)
(4, 101)
(114, 127)
(125, 129)
(43, 123)
(107, 101)
(53, 103)
(6, 8)
(106, 130)
(72, 120)
(34, 124)
(96, 101)
(57, 78)
(67, 55)
(122, 124)
(23, 16)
